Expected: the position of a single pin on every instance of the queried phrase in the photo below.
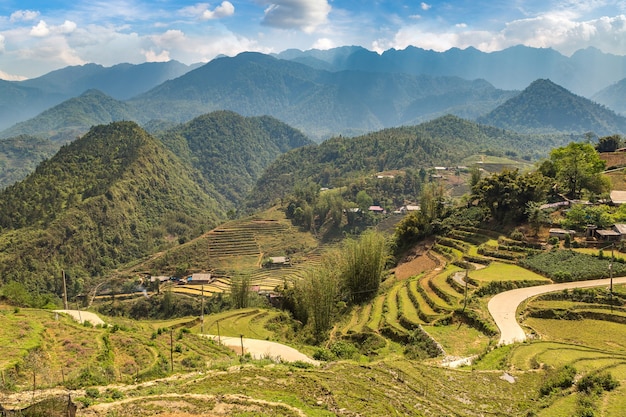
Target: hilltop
(232, 151)
(112, 196)
(545, 106)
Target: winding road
(503, 306)
(260, 349)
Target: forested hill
(74, 117)
(110, 197)
(320, 103)
(545, 106)
(232, 151)
(443, 141)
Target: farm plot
(498, 271)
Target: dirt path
(83, 316)
(503, 306)
(260, 349)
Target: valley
(166, 248)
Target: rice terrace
(325, 232)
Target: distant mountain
(19, 156)
(318, 102)
(545, 106)
(112, 196)
(445, 141)
(18, 102)
(21, 100)
(74, 117)
(614, 97)
(232, 151)
(585, 72)
(121, 81)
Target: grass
(376, 313)
(593, 333)
(498, 271)
(459, 339)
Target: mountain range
(585, 72)
(346, 90)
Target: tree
(506, 194)
(609, 143)
(363, 262)
(240, 291)
(536, 216)
(578, 166)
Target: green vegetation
(567, 265)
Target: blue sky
(39, 36)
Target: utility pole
(64, 291)
(202, 310)
(172, 349)
(466, 279)
(219, 339)
(241, 337)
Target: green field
(498, 271)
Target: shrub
(343, 350)
(323, 354)
(597, 383)
(561, 378)
(92, 392)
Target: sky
(37, 37)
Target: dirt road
(260, 349)
(83, 316)
(503, 306)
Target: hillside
(19, 156)
(320, 103)
(22, 100)
(613, 96)
(112, 196)
(445, 141)
(545, 106)
(74, 117)
(232, 151)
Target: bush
(561, 378)
(323, 354)
(92, 392)
(597, 383)
(344, 350)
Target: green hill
(445, 141)
(232, 151)
(110, 197)
(74, 116)
(545, 106)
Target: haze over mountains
(347, 90)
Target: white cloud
(10, 77)
(23, 16)
(324, 44)
(40, 30)
(223, 10)
(152, 56)
(1, 43)
(425, 6)
(558, 30)
(305, 15)
(67, 27)
(202, 11)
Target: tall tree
(578, 167)
(363, 263)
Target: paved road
(83, 316)
(503, 306)
(260, 349)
